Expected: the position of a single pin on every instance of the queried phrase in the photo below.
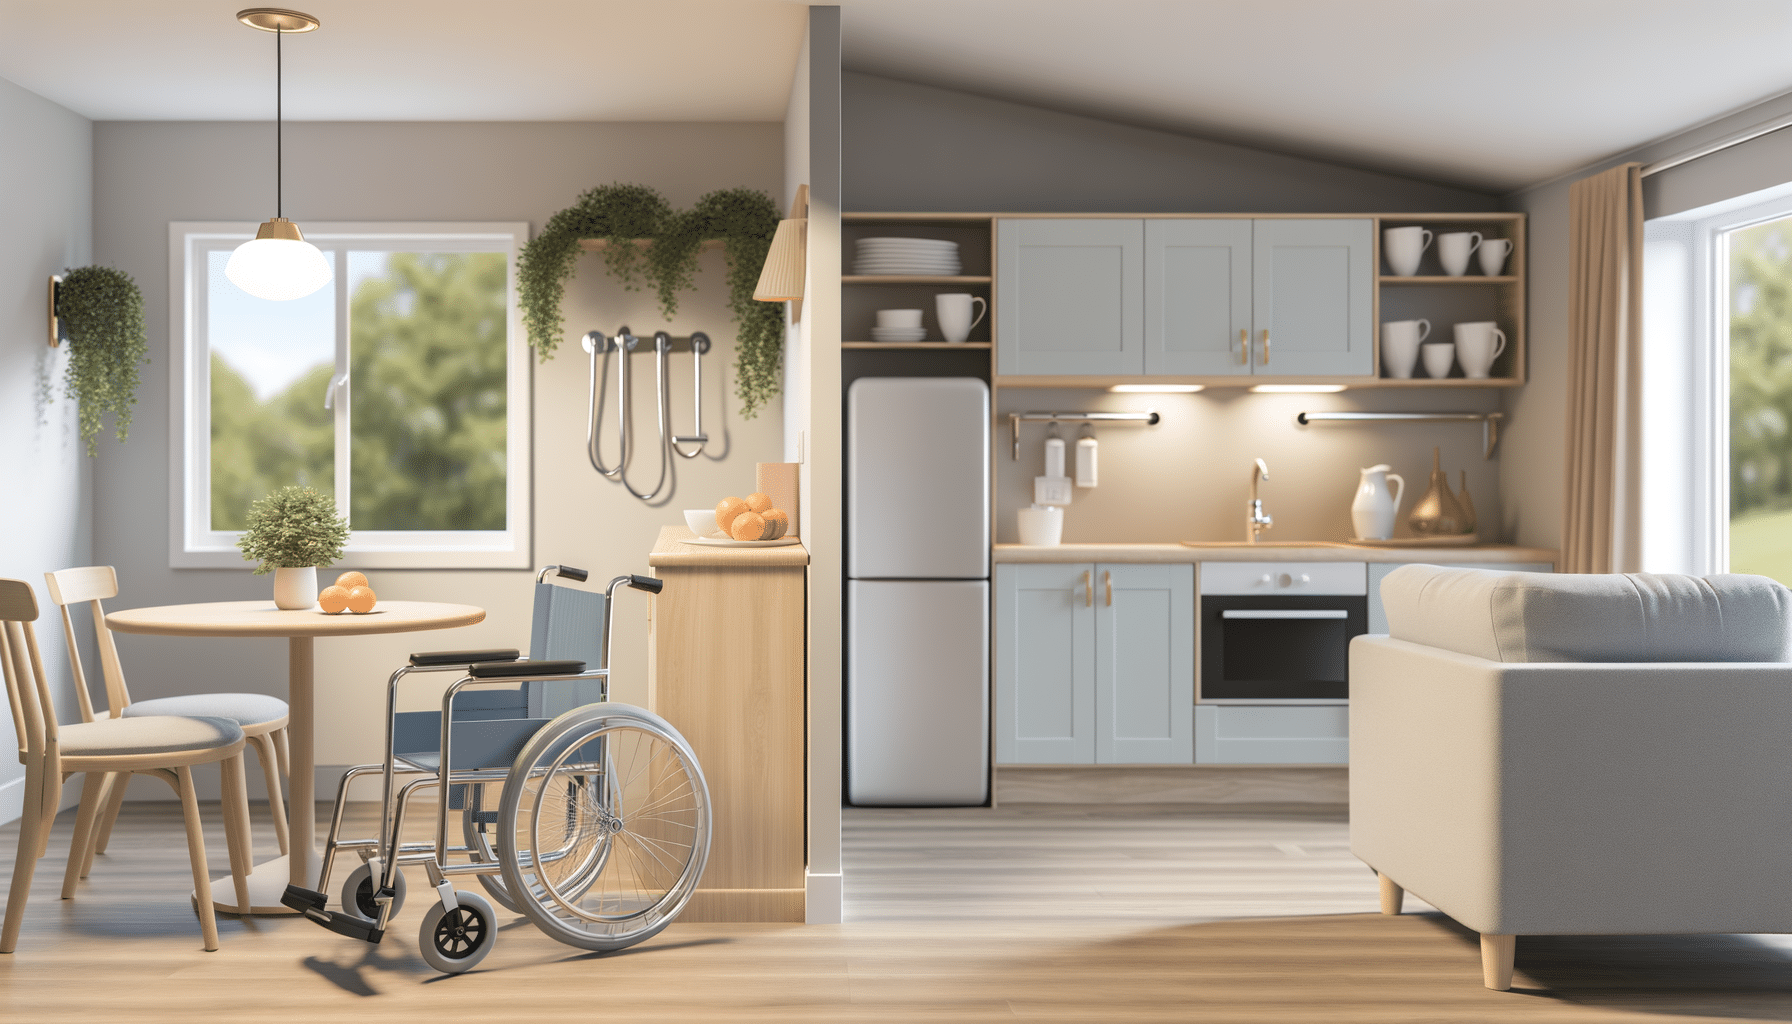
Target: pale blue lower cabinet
(1272, 734)
(1095, 664)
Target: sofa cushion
(1533, 616)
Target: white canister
(1041, 526)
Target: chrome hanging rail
(1014, 420)
(1490, 421)
(624, 343)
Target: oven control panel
(1317, 578)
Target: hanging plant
(102, 311)
(744, 219)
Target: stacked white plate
(898, 334)
(913, 256)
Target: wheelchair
(591, 819)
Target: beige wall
(148, 174)
(46, 219)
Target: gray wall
(46, 218)
(148, 174)
(1534, 467)
(913, 147)
(916, 147)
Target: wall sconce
(786, 265)
(55, 310)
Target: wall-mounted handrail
(1149, 417)
(1490, 421)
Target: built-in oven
(1280, 631)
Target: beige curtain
(1601, 528)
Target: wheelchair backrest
(567, 624)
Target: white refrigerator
(917, 591)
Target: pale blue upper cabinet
(1144, 664)
(1197, 296)
(1070, 296)
(1313, 285)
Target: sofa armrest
(1575, 798)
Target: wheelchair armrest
(502, 669)
(461, 657)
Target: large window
(401, 388)
(1758, 261)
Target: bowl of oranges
(349, 593)
(749, 521)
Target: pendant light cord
(279, 127)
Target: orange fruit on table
(351, 579)
(361, 600)
(333, 599)
(759, 502)
(726, 510)
(748, 526)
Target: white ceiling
(1493, 94)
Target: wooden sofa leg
(1496, 960)
(1393, 898)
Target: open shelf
(1442, 279)
(912, 279)
(915, 344)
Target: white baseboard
(12, 801)
(822, 902)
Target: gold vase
(1468, 505)
(1437, 514)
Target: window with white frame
(1718, 388)
(401, 388)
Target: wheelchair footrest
(311, 903)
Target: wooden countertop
(672, 551)
(1284, 552)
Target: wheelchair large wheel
(604, 826)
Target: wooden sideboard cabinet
(726, 668)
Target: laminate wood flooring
(1042, 912)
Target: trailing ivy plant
(102, 311)
(293, 528)
(744, 219)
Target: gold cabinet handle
(1244, 346)
(1264, 358)
(1108, 578)
(1088, 590)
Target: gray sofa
(1539, 754)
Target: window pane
(271, 363)
(1761, 400)
(427, 350)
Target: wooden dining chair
(166, 747)
(262, 718)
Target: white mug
(954, 310)
(1493, 255)
(1479, 344)
(1454, 249)
(1437, 357)
(1404, 248)
(1400, 340)
(898, 318)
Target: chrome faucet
(1256, 522)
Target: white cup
(1454, 249)
(1041, 525)
(1400, 340)
(1404, 247)
(954, 310)
(899, 318)
(1437, 357)
(1493, 255)
(1478, 344)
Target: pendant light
(278, 263)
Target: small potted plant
(293, 532)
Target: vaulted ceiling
(1492, 95)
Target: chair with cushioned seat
(165, 747)
(1535, 754)
(262, 718)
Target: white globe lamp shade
(278, 264)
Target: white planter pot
(295, 589)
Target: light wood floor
(1062, 913)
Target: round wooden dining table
(300, 628)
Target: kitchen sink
(1264, 544)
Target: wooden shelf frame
(918, 345)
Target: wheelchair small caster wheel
(357, 894)
(456, 940)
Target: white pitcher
(1374, 511)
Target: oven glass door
(1279, 648)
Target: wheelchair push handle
(647, 583)
(565, 571)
